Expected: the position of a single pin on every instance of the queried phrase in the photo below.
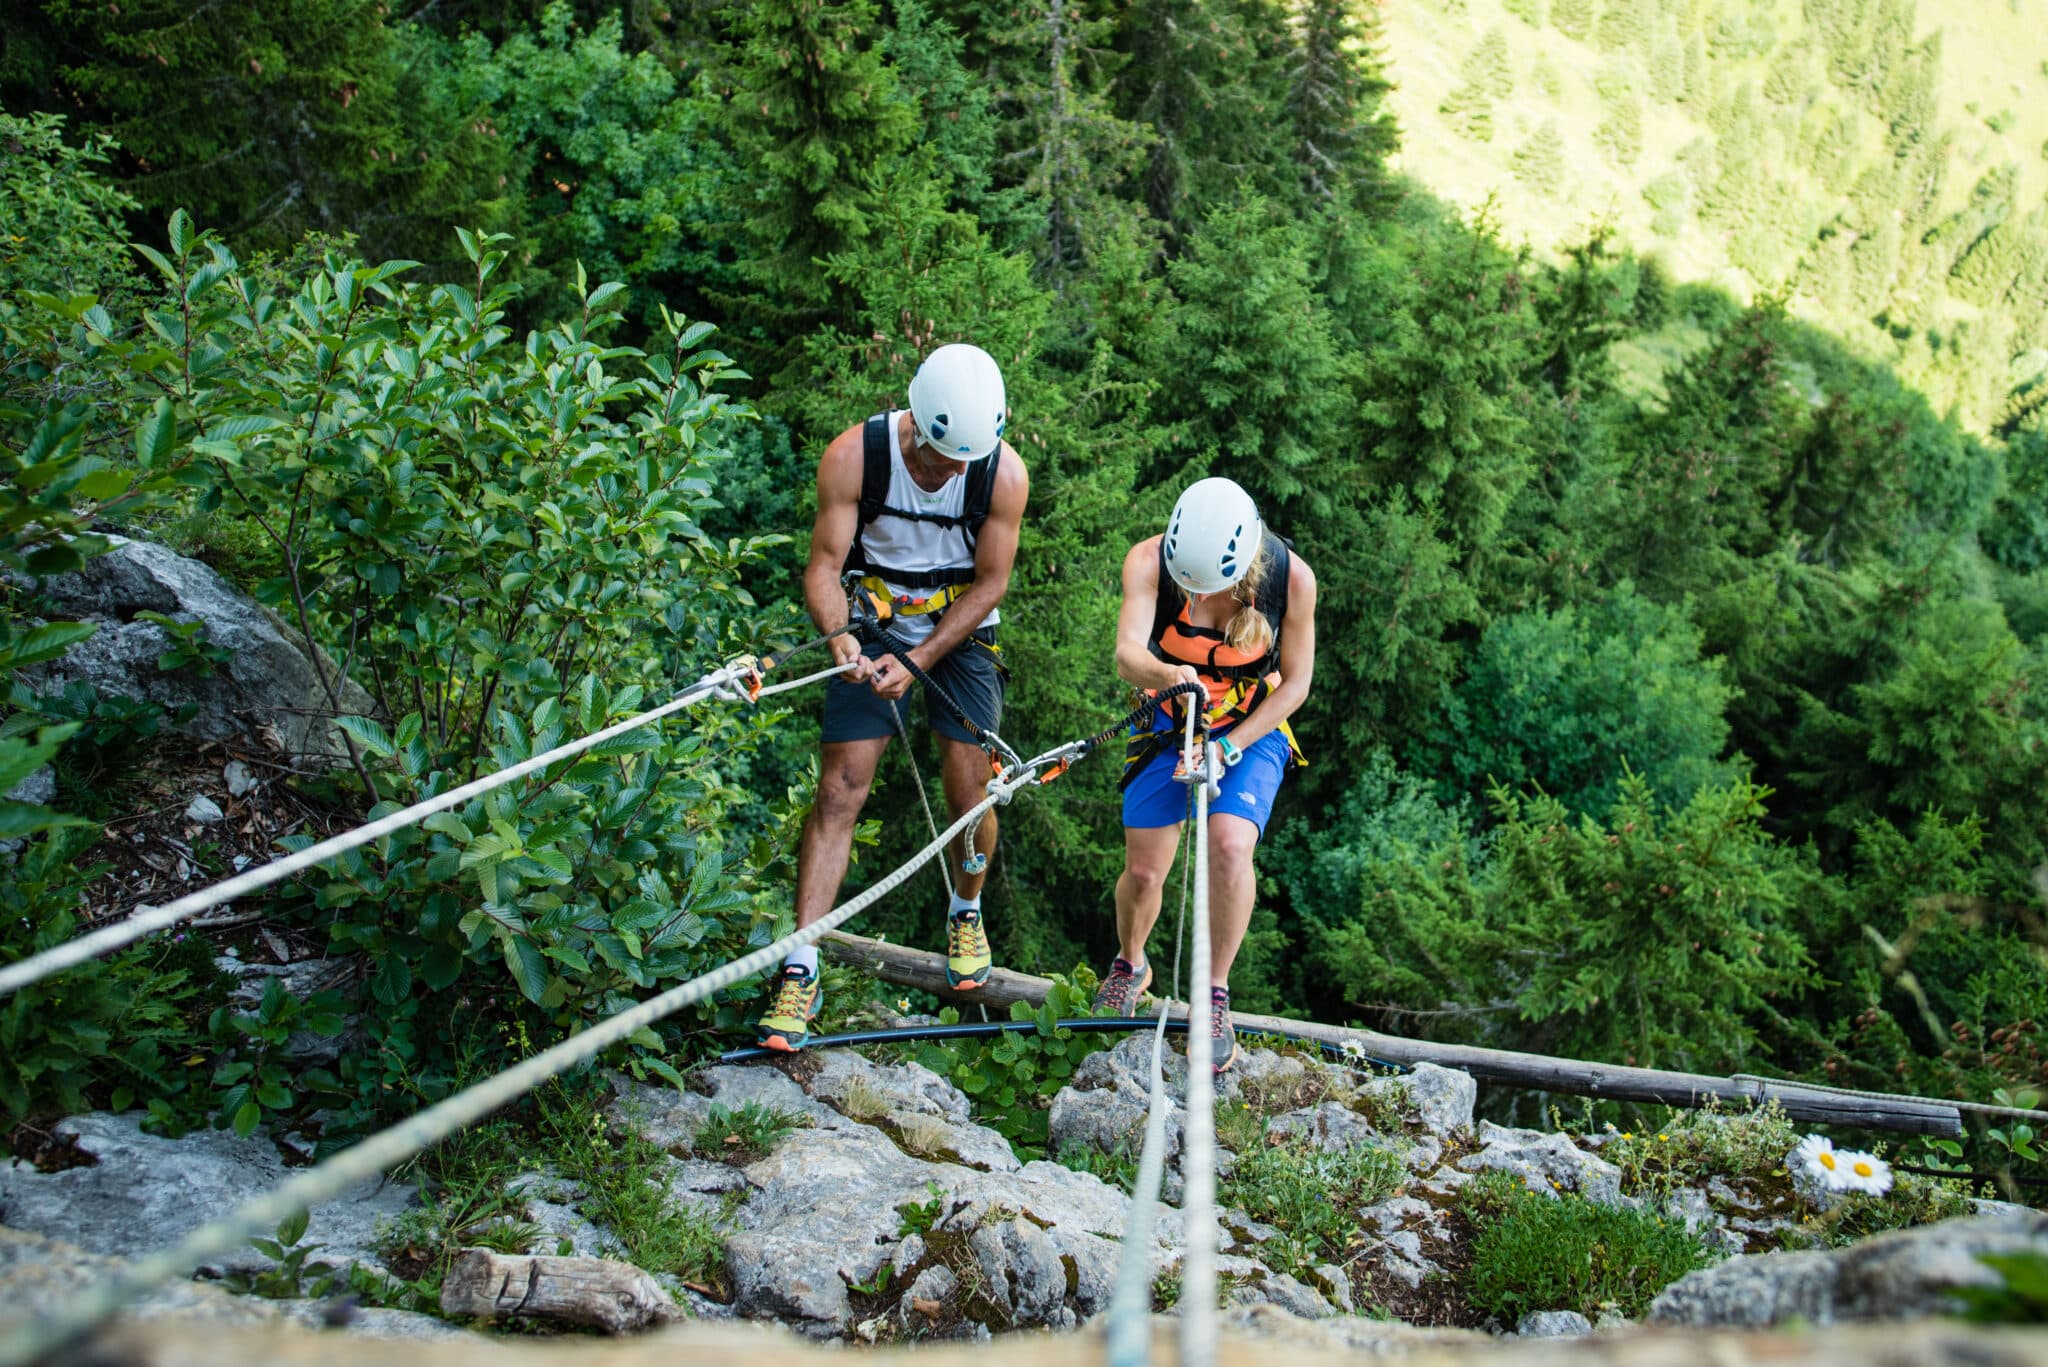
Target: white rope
(1198, 1154)
(381, 1151)
(1130, 1305)
(721, 683)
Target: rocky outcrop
(1548, 1163)
(1902, 1275)
(144, 1192)
(267, 680)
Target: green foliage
(1565, 921)
(1571, 702)
(1574, 18)
(920, 1216)
(1012, 1078)
(1311, 1195)
(1539, 162)
(111, 1032)
(742, 1134)
(295, 1272)
(187, 645)
(1539, 1252)
(1687, 1148)
(63, 213)
(255, 1078)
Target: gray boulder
(1440, 1099)
(269, 680)
(1906, 1274)
(1105, 1107)
(1329, 1126)
(146, 1193)
(1554, 1324)
(1547, 1163)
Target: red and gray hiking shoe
(1118, 995)
(1222, 1033)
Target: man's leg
(845, 769)
(966, 772)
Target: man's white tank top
(906, 544)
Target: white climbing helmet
(1213, 536)
(957, 402)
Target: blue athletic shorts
(1153, 799)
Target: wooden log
(598, 1293)
(1908, 1115)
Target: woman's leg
(1148, 854)
(1232, 842)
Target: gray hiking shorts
(973, 675)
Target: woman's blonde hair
(1248, 629)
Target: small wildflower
(1818, 1172)
(1864, 1172)
(903, 1004)
(1662, 1137)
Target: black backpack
(874, 501)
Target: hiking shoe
(1118, 995)
(1222, 1034)
(787, 1023)
(967, 957)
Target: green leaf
(154, 437)
(392, 982)
(368, 734)
(294, 1227)
(247, 1117)
(528, 968)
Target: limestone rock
(1905, 1274)
(1329, 1126)
(1441, 1099)
(267, 680)
(147, 1192)
(1554, 1324)
(1541, 1159)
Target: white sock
(1137, 964)
(805, 958)
(961, 904)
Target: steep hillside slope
(1888, 168)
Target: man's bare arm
(832, 532)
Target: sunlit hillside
(1888, 166)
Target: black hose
(1082, 1025)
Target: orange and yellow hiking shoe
(967, 958)
(787, 1022)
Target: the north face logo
(1249, 800)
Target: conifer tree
(1620, 135)
(1529, 12)
(814, 113)
(1489, 68)
(1539, 162)
(1335, 104)
(1667, 65)
(1204, 79)
(1574, 18)
(1623, 27)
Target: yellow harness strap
(906, 606)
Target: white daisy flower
(1817, 1170)
(1864, 1172)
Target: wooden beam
(597, 1293)
(1904, 1114)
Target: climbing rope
(1130, 1331)
(737, 681)
(416, 1133)
(917, 777)
(1198, 1154)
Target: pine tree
(1336, 106)
(1489, 68)
(814, 114)
(1529, 12)
(1208, 78)
(1696, 87)
(1246, 358)
(1539, 162)
(1620, 135)
(1469, 112)
(1667, 66)
(1574, 18)
(1624, 27)
(1077, 152)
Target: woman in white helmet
(1221, 601)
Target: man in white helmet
(925, 504)
(1218, 600)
